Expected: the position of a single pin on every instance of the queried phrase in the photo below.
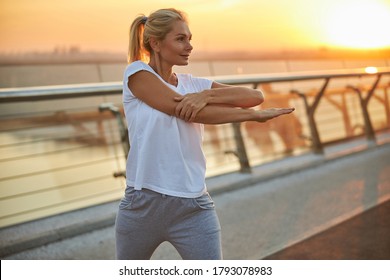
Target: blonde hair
(157, 25)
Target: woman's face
(176, 48)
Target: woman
(166, 197)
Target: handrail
(58, 92)
(98, 89)
(299, 76)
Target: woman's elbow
(257, 98)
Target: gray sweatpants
(146, 219)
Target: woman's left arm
(219, 94)
(236, 96)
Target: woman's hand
(189, 105)
(268, 114)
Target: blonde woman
(166, 198)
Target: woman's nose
(189, 46)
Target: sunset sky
(102, 25)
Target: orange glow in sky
(102, 25)
(359, 24)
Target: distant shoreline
(41, 58)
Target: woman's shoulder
(135, 67)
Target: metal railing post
(310, 110)
(368, 128)
(385, 102)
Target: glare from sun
(359, 24)
(371, 70)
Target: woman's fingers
(268, 114)
(188, 106)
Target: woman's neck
(164, 71)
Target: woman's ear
(154, 44)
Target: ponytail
(136, 49)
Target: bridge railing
(58, 150)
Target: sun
(359, 24)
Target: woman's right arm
(212, 114)
(151, 90)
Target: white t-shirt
(166, 152)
